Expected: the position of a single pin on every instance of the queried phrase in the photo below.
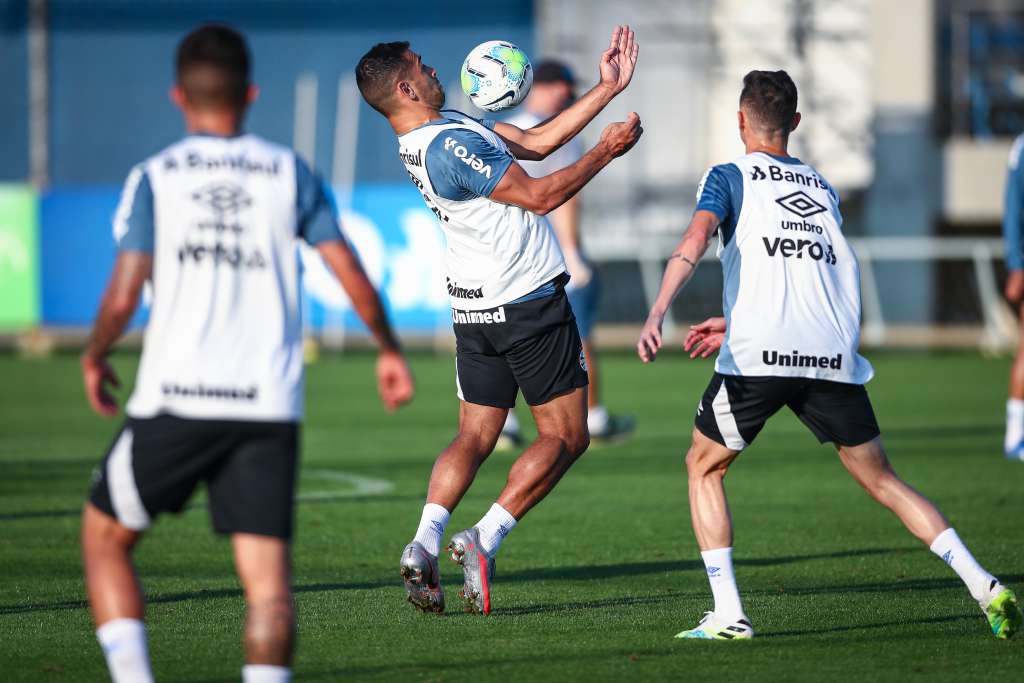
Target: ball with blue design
(496, 75)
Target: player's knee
(102, 532)
(700, 463)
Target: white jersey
(496, 252)
(221, 216)
(792, 284)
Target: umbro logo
(801, 204)
(948, 557)
(713, 571)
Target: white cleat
(713, 628)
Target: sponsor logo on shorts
(463, 292)
(790, 248)
(491, 317)
(801, 360)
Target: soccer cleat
(1002, 611)
(712, 628)
(1016, 453)
(617, 428)
(422, 579)
(477, 570)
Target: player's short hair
(770, 96)
(379, 70)
(213, 66)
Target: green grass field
(591, 586)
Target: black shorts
(734, 409)
(249, 468)
(533, 346)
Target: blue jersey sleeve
(1013, 212)
(133, 221)
(317, 221)
(462, 165)
(721, 193)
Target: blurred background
(910, 109)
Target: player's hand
(96, 374)
(705, 338)
(650, 338)
(394, 380)
(619, 61)
(620, 137)
(1015, 286)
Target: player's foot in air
(477, 570)
(1002, 611)
(713, 628)
(422, 579)
(616, 428)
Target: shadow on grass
(608, 571)
(581, 572)
(861, 627)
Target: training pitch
(596, 580)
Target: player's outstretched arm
(617, 65)
(394, 379)
(120, 299)
(542, 195)
(680, 268)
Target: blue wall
(111, 68)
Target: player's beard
(437, 95)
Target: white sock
(953, 552)
(124, 645)
(723, 584)
(265, 673)
(493, 528)
(511, 423)
(597, 419)
(432, 525)
(1014, 424)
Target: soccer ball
(496, 75)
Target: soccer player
(214, 221)
(552, 93)
(513, 325)
(1013, 226)
(789, 338)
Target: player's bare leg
(707, 462)
(115, 596)
(561, 438)
(264, 569)
(870, 466)
(456, 467)
(453, 473)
